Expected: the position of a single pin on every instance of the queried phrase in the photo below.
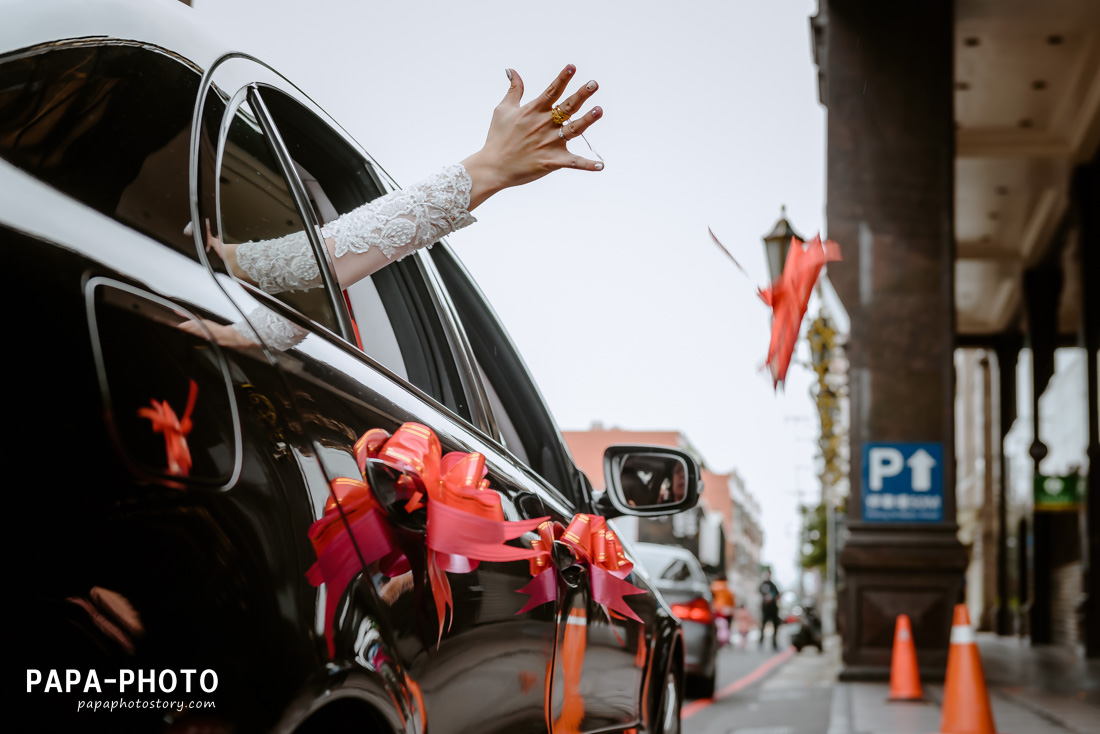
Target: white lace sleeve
(397, 224)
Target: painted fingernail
(570, 69)
(591, 86)
(509, 73)
(598, 166)
(597, 112)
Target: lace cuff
(282, 264)
(397, 223)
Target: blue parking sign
(902, 482)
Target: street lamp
(776, 244)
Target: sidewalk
(1041, 690)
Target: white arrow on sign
(920, 464)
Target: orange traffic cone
(904, 673)
(966, 708)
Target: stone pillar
(1086, 194)
(891, 162)
(1008, 351)
(988, 513)
(1042, 287)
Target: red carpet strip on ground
(696, 706)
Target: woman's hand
(227, 253)
(523, 142)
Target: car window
(394, 319)
(174, 376)
(526, 425)
(109, 125)
(258, 215)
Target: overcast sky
(622, 307)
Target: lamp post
(822, 338)
(776, 244)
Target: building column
(1086, 194)
(988, 515)
(890, 198)
(1008, 351)
(1042, 288)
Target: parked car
(679, 577)
(169, 489)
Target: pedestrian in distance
(745, 623)
(769, 609)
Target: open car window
(393, 316)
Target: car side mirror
(649, 481)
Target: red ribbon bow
(598, 548)
(175, 430)
(789, 297)
(465, 523)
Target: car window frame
(423, 308)
(312, 228)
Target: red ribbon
(789, 297)
(595, 546)
(337, 561)
(175, 430)
(465, 524)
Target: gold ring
(558, 116)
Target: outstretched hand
(524, 143)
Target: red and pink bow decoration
(465, 520)
(175, 430)
(595, 546)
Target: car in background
(680, 579)
(174, 483)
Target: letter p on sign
(883, 462)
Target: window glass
(174, 372)
(109, 125)
(260, 218)
(395, 320)
(376, 334)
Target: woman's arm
(522, 145)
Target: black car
(680, 579)
(170, 488)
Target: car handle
(570, 569)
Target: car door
(199, 541)
(601, 661)
(394, 365)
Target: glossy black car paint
(121, 565)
